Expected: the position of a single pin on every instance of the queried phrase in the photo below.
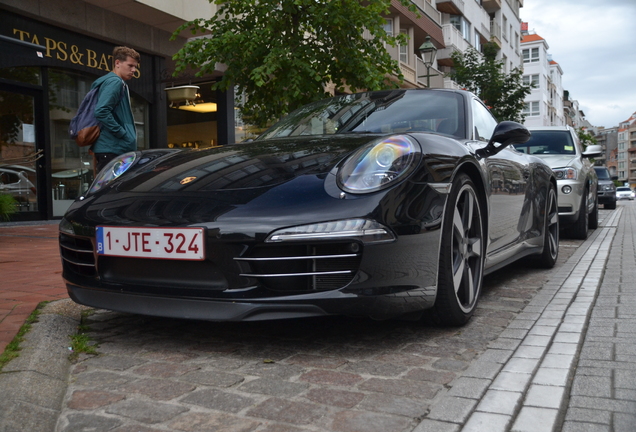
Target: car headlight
(607, 187)
(114, 169)
(567, 173)
(378, 164)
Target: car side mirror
(614, 178)
(593, 151)
(505, 133)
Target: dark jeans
(102, 159)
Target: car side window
(483, 121)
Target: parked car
(606, 187)
(14, 181)
(380, 204)
(577, 182)
(624, 192)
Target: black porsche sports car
(380, 204)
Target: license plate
(163, 243)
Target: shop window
(193, 123)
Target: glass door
(20, 151)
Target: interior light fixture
(203, 107)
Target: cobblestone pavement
(324, 374)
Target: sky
(594, 42)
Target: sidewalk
(31, 280)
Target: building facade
(626, 158)
(51, 52)
(544, 106)
(470, 24)
(608, 139)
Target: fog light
(566, 189)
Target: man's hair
(121, 53)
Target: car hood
(558, 161)
(259, 164)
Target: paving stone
(467, 387)
(624, 422)
(511, 381)
(401, 387)
(219, 400)
(91, 399)
(551, 376)
(452, 409)
(594, 386)
(158, 389)
(499, 402)
(213, 378)
(375, 368)
(480, 422)
(575, 426)
(299, 413)
(535, 420)
(273, 387)
(588, 416)
(331, 377)
(212, 422)
(544, 396)
(398, 405)
(482, 369)
(145, 412)
(436, 426)
(334, 397)
(164, 370)
(354, 421)
(90, 422)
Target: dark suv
(606, 187)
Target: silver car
(624, 192)
(577, 181)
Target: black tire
(593, 222)
(610, 206)
(550, 252)
(462, 254)
(578, 230)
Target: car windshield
(623, 189)
(394, 111)
(543, 142)
(602, 173)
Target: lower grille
(303, 268)
(78, 255)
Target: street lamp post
(428, 51)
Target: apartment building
(471, 23)
(626, 158)
(545, 105)
(608, 139)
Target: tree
(484, 76)
(282, 54)
(586, 138)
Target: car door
(508, 174)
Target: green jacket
(118, 134)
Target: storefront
(45, 71)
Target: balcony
(453, 41)
(495, 32)
(453, 7)
(491, 5)
(429, 10)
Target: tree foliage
(282, 54)
(485, 76)
(586, 138)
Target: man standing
(118, 134)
